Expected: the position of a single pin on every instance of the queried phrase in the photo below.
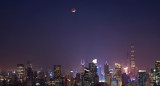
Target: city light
(80, 43)
(95, 61)
(126, 70)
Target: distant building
(71, 76)
(57, 75)
(107, 73)
(157, 70)
(85, 77)
(133, 69)
(99, 71)
(78, 80)
(82, 66)
(153, 76)
(125, 79)
(114, 82)
(29, 74)
(94, 78)
(118, 73)
(20, 72)
(142, 78)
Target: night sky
(49, 33)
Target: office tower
(93, 67)
(93, 72)
(157, 70)
(107, 73)
(142, 78)
(114, 82)
(29, 74)
(132, 60)
(128, 62)
(20, 72)
(29, 65)
(71, 77)
(94, 78)
(118, 73)
(57, 75)
(29, 71)
(85, 77)
(77, 79)
(99, 71)
(153, 76)
(82, 66)
(125, 79)
(157, 65)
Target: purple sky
(48, 33)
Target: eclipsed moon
(73, 10)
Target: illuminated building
(29, 74)
(132, 60)
(142, 78)
(85, 78)
(57, 75)
(118, 73)
(29, 71)
(94, 79)
(114, 82)
(107, 73)
(101, 78)
(71, 76)
(125, 79)
(82, 66)
(20, 71)
(77, 79)
(92, 67)
(157, 65)
(126, 70)
(155, 74)
(93, 71)
(157, 70)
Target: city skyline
(48, 33)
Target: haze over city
(49, 32)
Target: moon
(73, 10)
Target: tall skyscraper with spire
(133, 68)
(132, 57)
(82, 66)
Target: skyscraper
(82, 66)
(132, 57)
(118, 73)
(107, 73)
(20, 71)
(85, 78)
(142, 78)
(57, 75)
(157, 70)
(157, 65)
(133, 68)
(29, 74)
(93, 72)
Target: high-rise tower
(132, 57)
(82, 66)
(82, 62)
(107, 73)
(133, 69)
